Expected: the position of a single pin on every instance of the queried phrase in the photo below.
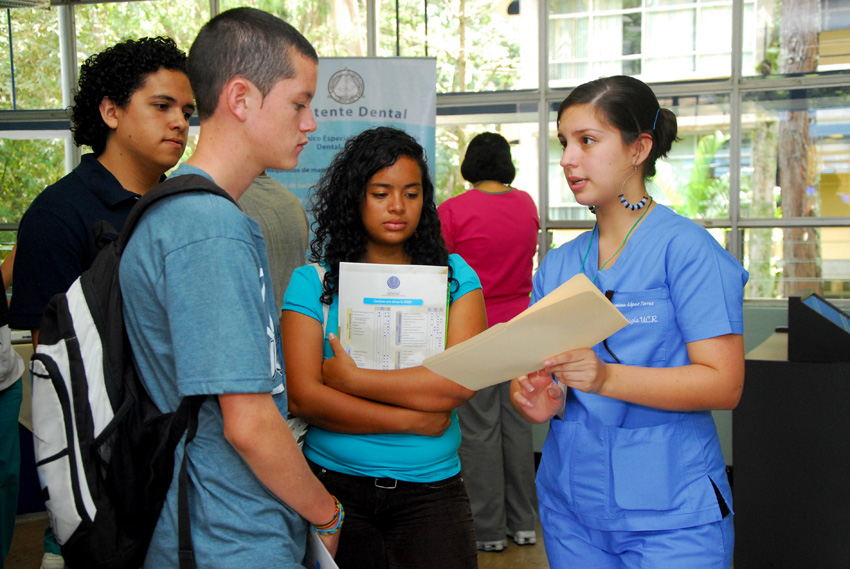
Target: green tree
(26, 167)
(34, 51)
(476, 50)
(798, 54)
(705, 195)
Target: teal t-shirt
(201, 318)
(413, 458)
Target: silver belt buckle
(379, 481)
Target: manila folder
(574, 315)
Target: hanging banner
(354, 94)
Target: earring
(623, 199)
(592, 209)
(633, 206)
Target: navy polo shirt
(56, 240)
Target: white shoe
(524, 537)
(492, 546)
(52, 561)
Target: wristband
(335, 524)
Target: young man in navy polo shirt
(132, 108)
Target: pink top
(497, 235)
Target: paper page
(576, 316)
(392, 316)
(318, 556)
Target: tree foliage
(476, 50)
(34, 51)
(26, 167)
(705, 195)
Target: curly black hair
(117, 73)
(339, 196)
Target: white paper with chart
(392, 316)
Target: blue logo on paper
(393, 282)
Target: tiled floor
(27, 549)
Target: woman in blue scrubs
(632, 474)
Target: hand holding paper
(580, 369)
(539, 396)
(575, 315)
(318, 556)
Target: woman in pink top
(494, 228)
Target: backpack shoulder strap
(170, 187)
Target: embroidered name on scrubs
(644, 340)
(644, 306)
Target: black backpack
(104, 452)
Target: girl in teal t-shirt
(383, 442)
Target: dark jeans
(405, 525)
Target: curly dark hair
(340, 194)
(117, 73)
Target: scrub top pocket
(647, 468)
(555, 472)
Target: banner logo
(345, 87)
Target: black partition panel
(818, 331)
(791, 455)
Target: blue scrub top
(617, 465)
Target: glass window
(479, 45)
(406, 29)
(31, 65)
(452, 140)
(658, 40)
(791, 182)
(336, 28)
(789, 260)
(814, 38)
(796, 153)
(694, 179)
(7, 242)
(27, 167)
(102, 25)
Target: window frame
(513, 106)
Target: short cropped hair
(488, 157)
(117, 73)
(243, 42)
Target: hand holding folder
(574, 315)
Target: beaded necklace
(596, 230)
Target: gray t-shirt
(283, 224)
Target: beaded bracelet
(335, 524)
